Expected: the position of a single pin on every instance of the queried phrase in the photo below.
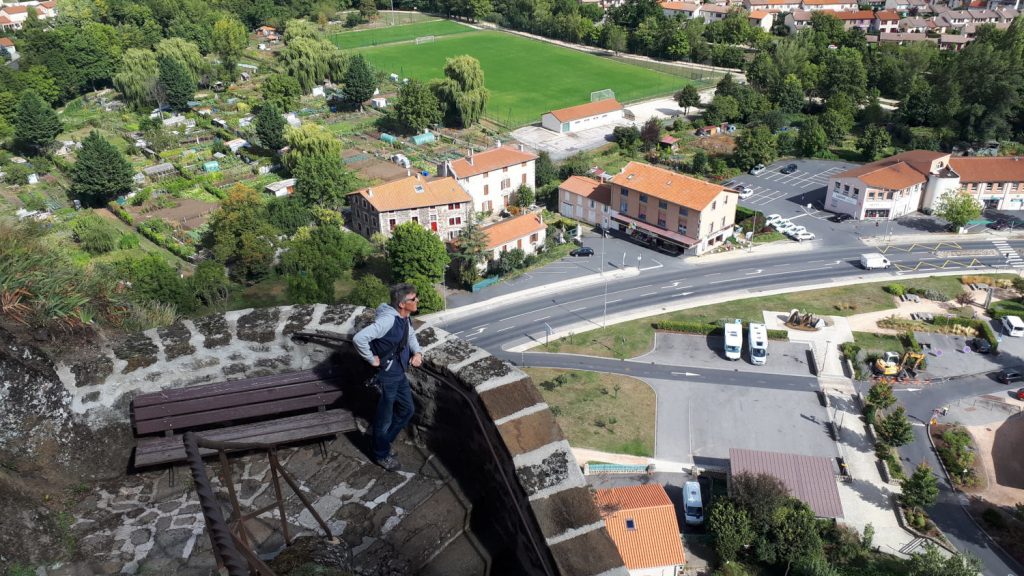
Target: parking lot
(789, 358)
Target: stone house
(439, 205)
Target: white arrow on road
(684, 374)
(754, 272)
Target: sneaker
(390, 463)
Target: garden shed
(388, 138)
(211, 166)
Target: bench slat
(156, 450)
(143, 414)
(237, 413)
(231, 386)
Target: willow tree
(311, 60)
(462, 91)
(136, 78)
(309, 140)
(187, 54)
(299, 28)
(229, 38)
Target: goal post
(606, 94)
(424, 39)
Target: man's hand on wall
(416, 360)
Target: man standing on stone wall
(390, 345)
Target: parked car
(758, 170)
(801, 236)
(999, 224)
(981, 345)
(796, 230)
(1009, 376)
(744, 191)
(840, 218)
(771, 219)
(582, 251)
(788, 169)
(784, 226)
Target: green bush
(869, 413)
(958, 455)
(689, 327)
(778, 334)
(94, 234)
(162, 234)
(896, 289)
(121, 213)
(128, 241)
(850, 351)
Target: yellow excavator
(890, 364)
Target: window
(591, 203)
(888, 195)
(723, 222)
(534, 237)
(454, 221)
(624, 192)
(624, 206)
(519, 243)
(416, 219)
(662, 204)
(487, 189)
(713, 204)
(661, 219)
(506, 183)
(643, 214)
(524, 178)
(683, 211)
(391, 224)
(523, 165)
(856, 192)
(643, 197)
(451, 235)
(454, 206)
(682, 229)
(630, 524)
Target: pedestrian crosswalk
(1011, 256)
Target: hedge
(161, 233)
(121, 213)
(980, 325)
(706, 329)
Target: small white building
(236, 145)
(8, 49)
(582, 117)
(526, 232)
(379, 102)
(281, 187)
(491, 177)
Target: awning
(673, 237)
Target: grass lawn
(606, 412)
(636, 337)
(870, 342)
(391, 34)
(526, 78)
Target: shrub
(896, 289)
(128, 241)
(95, 235)
(121, 213)
(850, 351)
(688, 327)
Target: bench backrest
(196, 406)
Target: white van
(758, 336)
(734, 339)
(1013, 326)
(693, 511)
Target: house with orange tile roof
(584, 116)
(688, 10)
(830, 5)
(773, 6)
(526, 232)
(642, 523)
(671, 210)
(586, 200)
(7, 48)
(763, 19)
(439, 205)
(886, 21)
(492, 177)
(995, 182)
(13, 16)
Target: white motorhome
(734, 339)
(758, 337)
(1013, 326)
(693, 513)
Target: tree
(152, 278)
(812, 140)
(650, 133)
(471, 252)
(322, 253)
(241, 236)
(100, 172)
(367, 9)
(176, 83)
(688, 97)
(759, 495)
(921, 489)
(322, 180)
(416, 108)
(269, 126)
(836, 125)
(793, 534)
(894, 428)
(699, 164)
(359, 81)
(288, 214)
(282, 91)
(722, 109)
(934, 563)
(753, 147)
(229, 38)
(730, 527)
(299, 28)
(790, 94)
(137, 77)
(309, 140)
(210, 283)
(627, 137)
(369, 291)
(875, 140)
(430, 300)
(957, 209)
(544, 169)
(462, 91)
(311, 60)
(187, 54)
(524, 196)
(415, 252)
(36, 126)
(843, 72)
(613, 37)
(881, 395)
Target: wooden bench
(273, 409)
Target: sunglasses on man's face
(413, 299)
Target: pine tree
(921, 489)
(101, 172)
(270, 126)
(36, 125)
(176, 83)
(359, 81)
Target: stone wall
(482, 416)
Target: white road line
(578, 309)
(648, 294)
(544, 318)
(614, 301)
(503, 329)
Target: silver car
(758, 170)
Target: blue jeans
(394, 411)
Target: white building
(281, 187)
(491, 177)
(582, 117)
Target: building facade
(671, 210)
(584, 116)
(439, 205)
(526, 232)
(492, 177)
(586, 200)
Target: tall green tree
(187, 54)
(688, 97)
(309, 140)
(881, 395)
(722, 109)
(269, 125)
(311, 60)
(812, 140)
(790, 94)
(650, 133)
(415, 252)
(229, 38)
(360, 82)
(544, 169)
(921, 489)
(613, 37)
(100, 173)
(323, 253)
(793, 535)
(957, 209)
(241, 236)
(894, 428)
(471, 252)
(369, 291)
(322, 180)
(462, 91)
(730, 528)
(836, 125)
(416, 107)
(874, 142)
(136, 78)
(36, 125)
(281, 90)
(754, 146)
(176, 83)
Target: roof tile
(513, 229)
(811, 479)
(668, 185)
(414, 192)
(586, 110)
(588, 188)
(653, 540)
(1001, 169)
(488, 160)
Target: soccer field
(390, 34)
(526, 78)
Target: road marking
(614, 301)
(755, 272)
(648, 294)
(578, 309)
(684, 374)
(544, 318)
(503, 329)
(712, 274)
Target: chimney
(408, 172)
(522, 148)
(470, 157)
(369, 192)
(497, 143)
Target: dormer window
(630, 524)
(418, 189)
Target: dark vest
(385, 347)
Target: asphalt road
(947, 512)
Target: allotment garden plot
(401, 33)
(526, 78)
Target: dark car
(840, 218)
(981, 345)
(1009, 376)
(788, 169)
(584, 251)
